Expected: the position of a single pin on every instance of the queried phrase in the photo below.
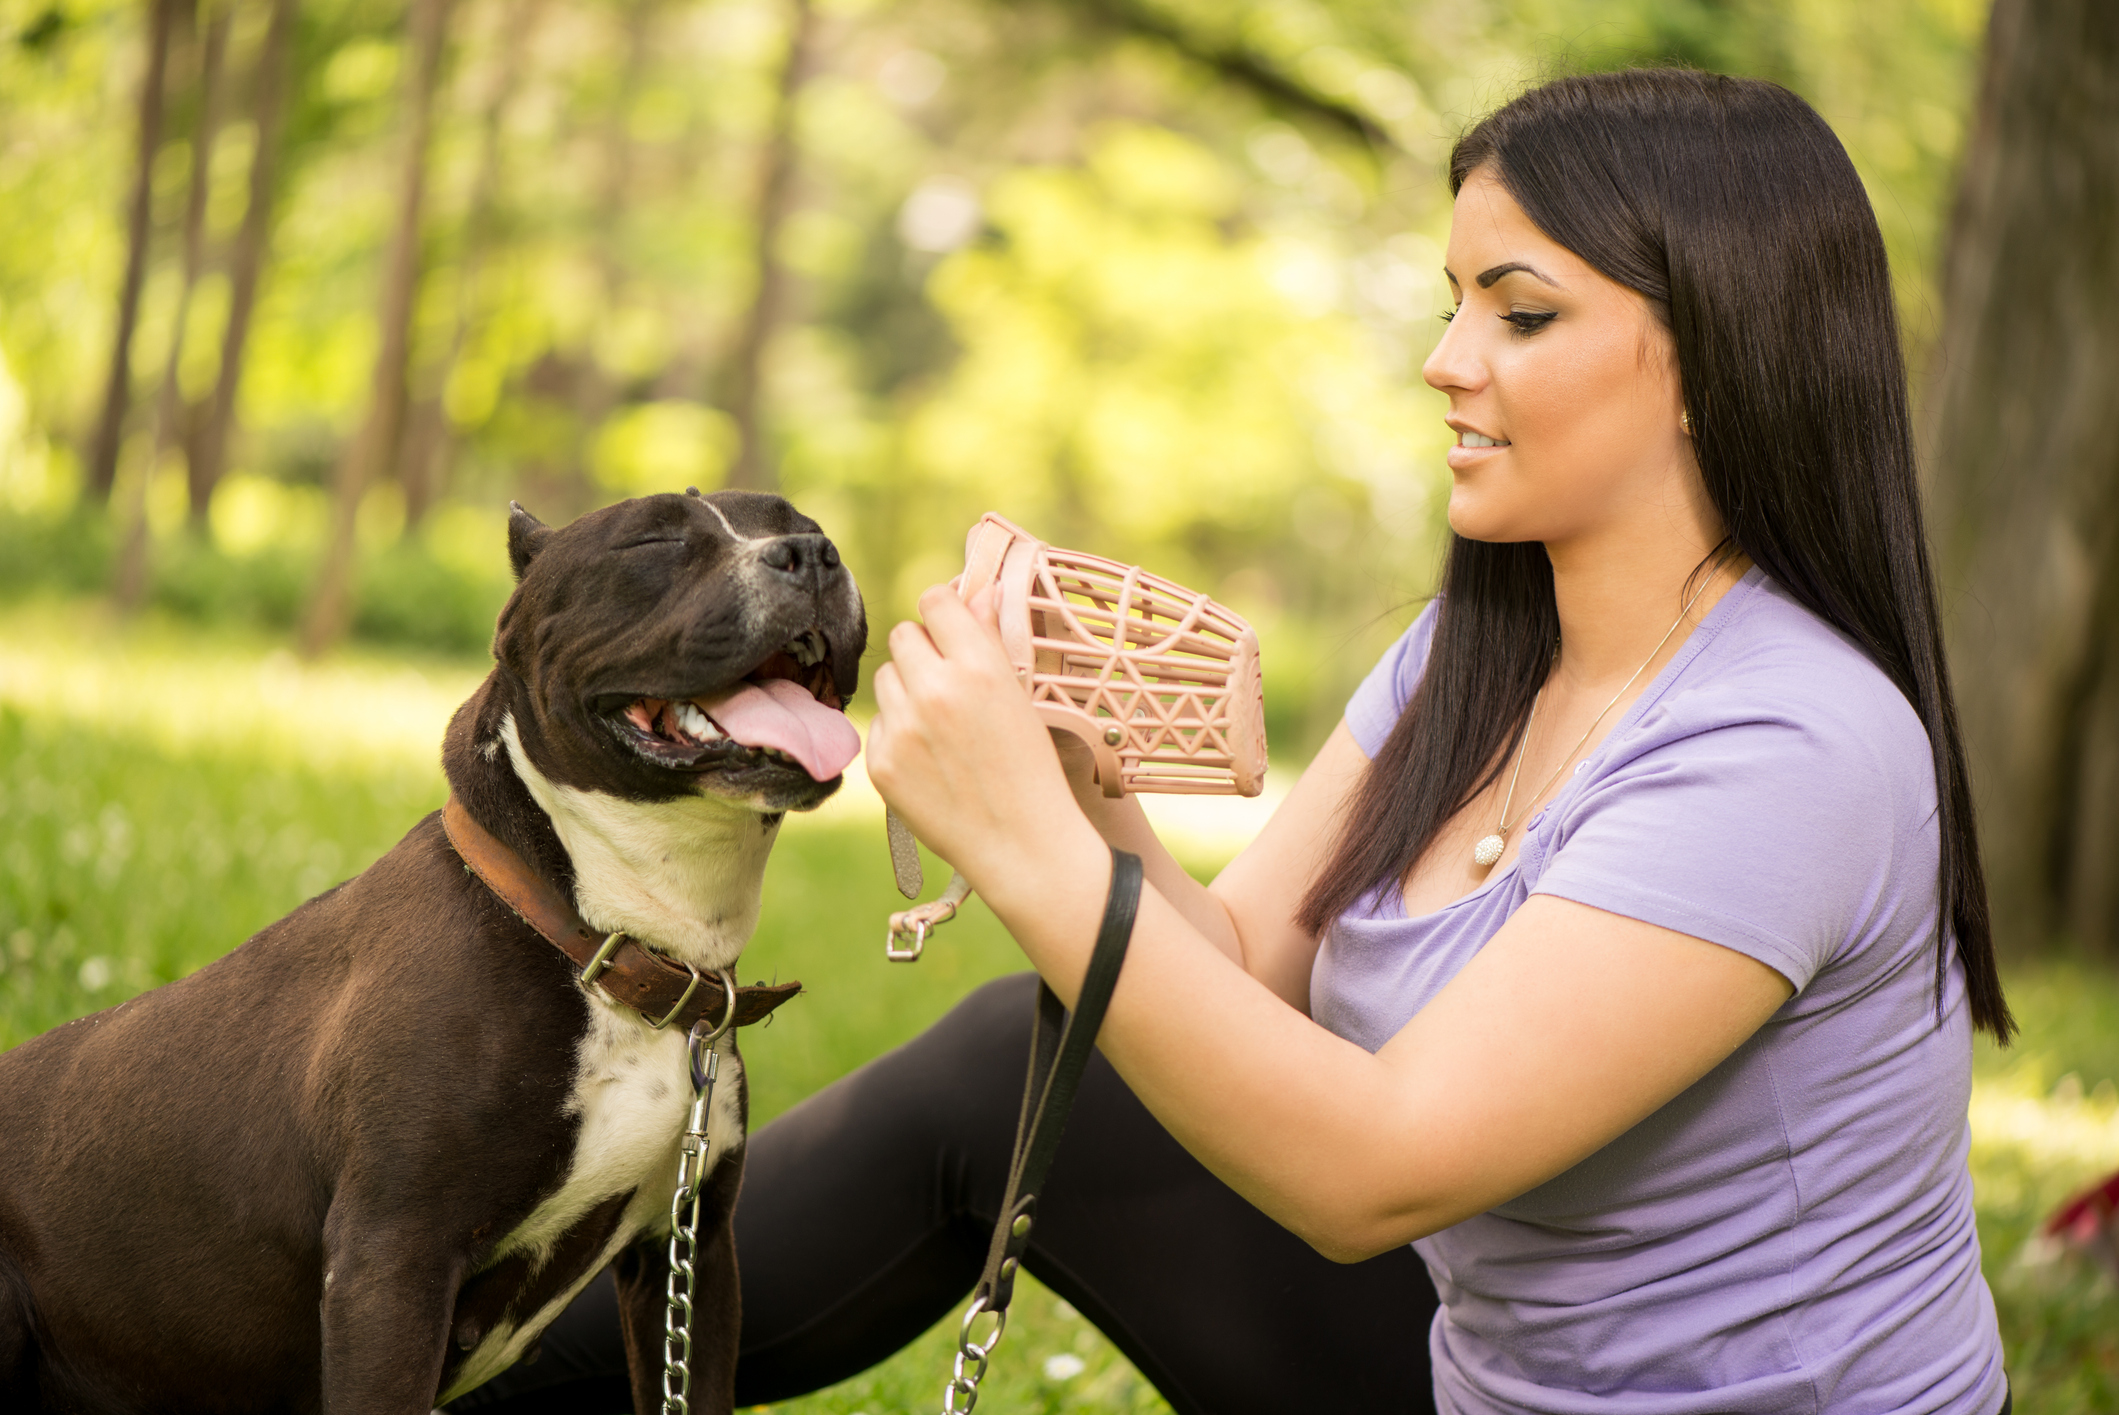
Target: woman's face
(1562, 388)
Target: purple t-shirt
(1794, 1233)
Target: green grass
(2045, 1123)
(165, 791)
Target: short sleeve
(1380, 700)
(1773, 834)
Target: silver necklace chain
(1490, 847)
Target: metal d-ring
(905, 955)
(728, 1013)
(704, 1041)
(678, 1006)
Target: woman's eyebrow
(1488, 277)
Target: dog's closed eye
(652, 540)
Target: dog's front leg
(388, 1294)
(642, 1275)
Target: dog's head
(674, 645)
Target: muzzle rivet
(1114, 735)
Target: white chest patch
(632, 1094)
(684, 876)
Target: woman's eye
(1447, 316)
(1527, 321)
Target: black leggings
(866, 1212)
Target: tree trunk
(776, 198)
(246, 258)
(593, 392)
(430, 441)
(2023, 430)
(117, 389)
(369, 451)
(129, 587)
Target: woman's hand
(958, 752)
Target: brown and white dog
(360, 1162)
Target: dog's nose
(804, 558)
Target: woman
(1621, 949)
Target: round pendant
(1489, 850)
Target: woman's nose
(1452, 367)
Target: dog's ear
(526, 536)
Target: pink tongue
(779, 713)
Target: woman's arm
(1567, 1029)
(1249, 912)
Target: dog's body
(358, 1163)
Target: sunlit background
(296, 295)
(1153, 279)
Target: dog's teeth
(697, 724)
(806, 648)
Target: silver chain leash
(964, 1381)
(684, 1226)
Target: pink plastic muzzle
(1160, 682)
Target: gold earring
(1685, 421)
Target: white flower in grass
(1064, 1367)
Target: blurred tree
(208, 458)
(2023, 431)
(129, 584)
(430, 438)
(117, 391)
(371, 451)
(1235, 62)
(594, 389)
(778, 169)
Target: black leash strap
(1059, 1052)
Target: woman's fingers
(955, 747)
(961, 632)
(889, 690)
(910, 643)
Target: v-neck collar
(1703, 634)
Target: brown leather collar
(663, 992)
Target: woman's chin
(1477, 517)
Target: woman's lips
(1465, 459)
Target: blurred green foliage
(1070, 260)
(419, 591)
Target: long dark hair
(1729, 204)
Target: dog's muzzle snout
(806, 560)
